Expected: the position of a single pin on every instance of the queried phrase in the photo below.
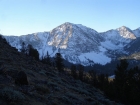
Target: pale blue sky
(20, 17)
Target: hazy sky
(20, 17)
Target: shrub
(42, 89)
(21, 78)
(9, 94)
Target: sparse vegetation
(46, 85)
(42, 89)
(11, 95)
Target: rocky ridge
(79, 44)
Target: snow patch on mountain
(99, 57)
(110, 46)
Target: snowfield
(99, 58)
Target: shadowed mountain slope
(45, 85)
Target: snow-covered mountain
(80, 44)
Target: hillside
(46, 85)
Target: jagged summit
(137, 32)
(126, 32)
(124, 27)
(67, 25)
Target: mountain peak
(137, 29)
(124, 28)
(126, 32)
(137, 32)
(66, 24)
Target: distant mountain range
(79, 44)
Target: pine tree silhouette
(73, 71)
(121, 79)
(81, 72)
(33, 52)
(59, 62)
(47, 59)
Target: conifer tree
(81, 72)
(23, 49)
(93, 77)
(73, 71)
(47, 59)
(33, 52)
(59, 62)
(121, 80)
(101, 80)
(132, 89)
